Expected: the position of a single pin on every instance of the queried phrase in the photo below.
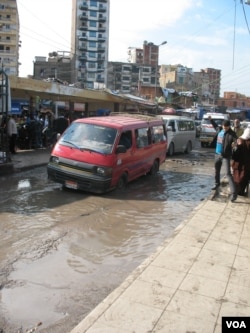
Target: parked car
(208, 132)
(244, 124)
(99, 154)
(181, 133)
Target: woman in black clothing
(241, 162)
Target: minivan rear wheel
(171, 149)
(155, 168)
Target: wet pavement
(198, 272)
(197, 276)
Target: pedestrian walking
(12, 133)
(237, 127)
(226, 138)
(241, 163)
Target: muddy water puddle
(62, 252)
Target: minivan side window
(158, 134)
(126, 139)
(186, 125)
(182, 125)
(142, 137)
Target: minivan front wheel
(122, 182)
(188, 148)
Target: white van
(208, 132)
(181, 133)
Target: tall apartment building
(214, 83)
(178, 77)
(89, 42)
(206, 83)
(131, 78)
(140, 75)
(57, 67)
(9, 37)
(201, 80)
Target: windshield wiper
(93, 150)
(72, 144)
(82, 148)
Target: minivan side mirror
(121, 149)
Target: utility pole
(156, 66)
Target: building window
(92, 54)
(181, 80)
(125, 88)
(92, 44)
(93, 3)
(126, 68)
(93, 24)
(92, 14)
(92, 34)
(91, 65)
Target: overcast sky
(199, 33)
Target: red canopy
(169, 111)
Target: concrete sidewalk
(197, 276)
(25, 160)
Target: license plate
(70, 184)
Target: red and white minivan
(99, 154)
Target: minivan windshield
(90, 137)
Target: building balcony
(84, 18)
(83, 38)
(84, 6)
(82, 57)
(101, 39)
(101, 29)
(102, 9)
(82, 48)
(101, 49)
(100, 80)
(82, 69)
(100, 60)
(102, 19)
(83, 28)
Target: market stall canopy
(169, 111)
(29, 88)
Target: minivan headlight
(103, 171)
(54, 159)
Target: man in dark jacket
(226, 138)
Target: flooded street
(62, 252)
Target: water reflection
(66, 247)
(24, 183)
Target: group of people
(32, 131)
(233, 150)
